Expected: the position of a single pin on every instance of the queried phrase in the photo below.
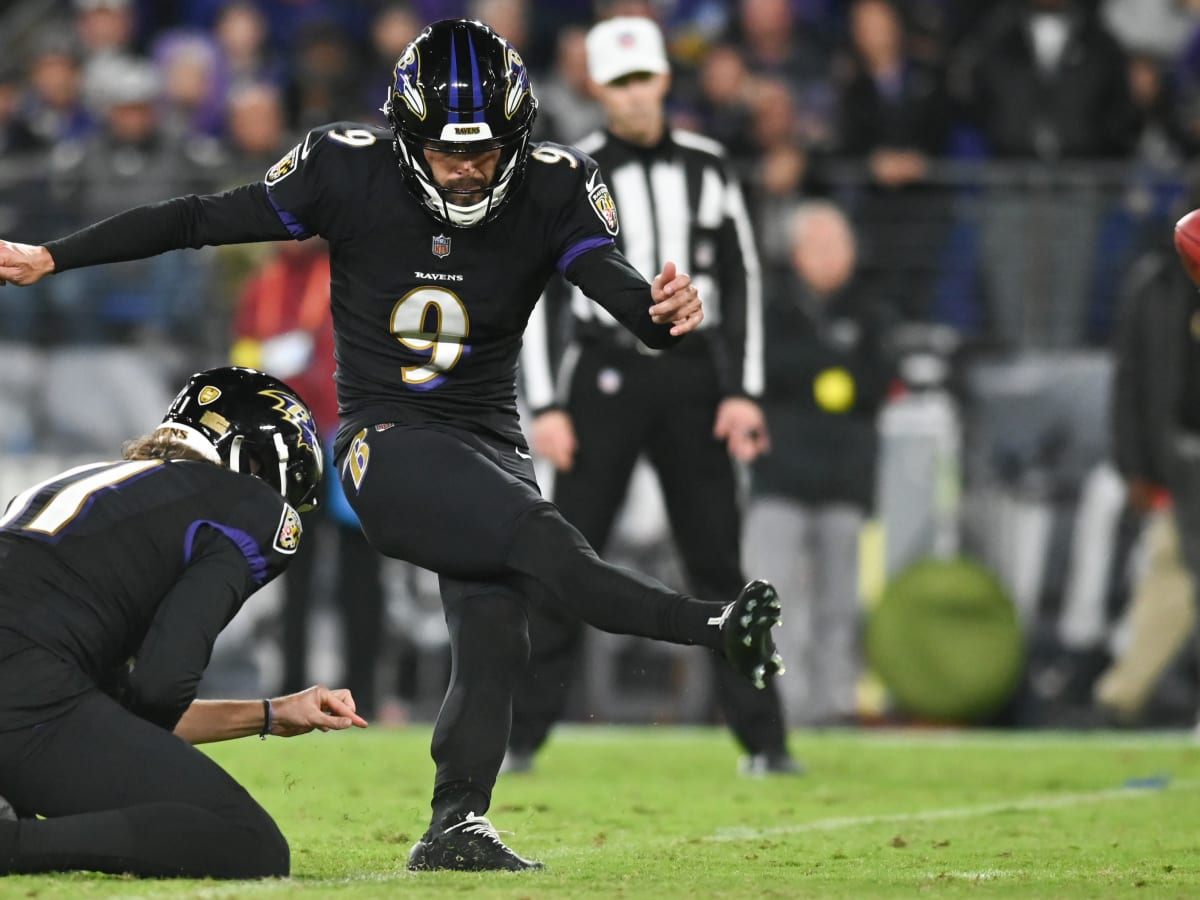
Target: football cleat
(472, 845)
(760, 765)
(746, 625)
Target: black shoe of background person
(746, 625)
(7, 813)
(471, 845)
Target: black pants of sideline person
(120, 795)
(624, 405)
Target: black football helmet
(252, 423)
(461, 88)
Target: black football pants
(121, 795)
(625, 404)
(469, 509)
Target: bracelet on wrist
(268, 720)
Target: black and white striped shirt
(676, 201)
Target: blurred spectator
(726, 104)
(288, 21)
(1163, 139)
(566, 109)
(1047, 81)
(324, 82)
(392, 30)
(784, 172)
(106, 34)
(894, 116)
(1047, 84)
(827, 375)
(507, 17)
(936, 27)
(1156, 424)
(14, 136)
(193, 94)
(242, 42)
(52, 108)
(256, 133)
(284, 325)
(776, 46)
(131, 160)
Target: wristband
(268, 720)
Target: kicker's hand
(24, 264)
(313, 708)
(676, 301)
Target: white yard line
(1050, 801)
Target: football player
(115, 579)
(443, 229)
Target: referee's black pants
(121, 795)
(625, 404)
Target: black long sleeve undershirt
(238, 216)
(607, 277)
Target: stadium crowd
(1009, 172)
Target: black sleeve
(162, 682)
(608, 278)
(242, 215)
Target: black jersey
(428, 317)
(145, 560)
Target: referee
(614, 399)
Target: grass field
(660, 813)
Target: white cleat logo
(719, 621)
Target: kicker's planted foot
(469, 845)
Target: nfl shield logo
(441, 246)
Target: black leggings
(121, 795)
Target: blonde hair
(160, 445)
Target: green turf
(659, 812)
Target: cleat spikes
(758, 676)
(746, 632)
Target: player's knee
(270, 855)
(254, 845)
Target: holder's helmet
(252, 423)
(461, 88)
